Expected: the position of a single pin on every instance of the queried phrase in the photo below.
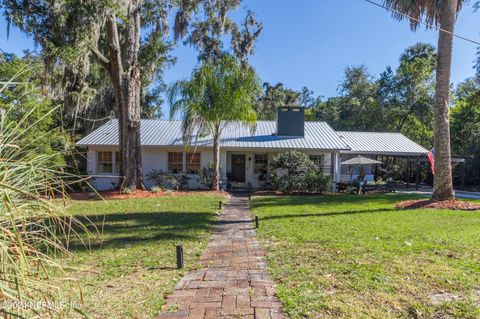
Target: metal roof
(381, 143)
(318, 135)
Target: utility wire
(422, 22)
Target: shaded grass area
(358, 257)
(128, 265)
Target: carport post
(409, 169)
(417, 177)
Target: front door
(238, 168)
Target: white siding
(156, 158)
(153, 158)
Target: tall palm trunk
(216, 160)
(443, 185)
(124, 69)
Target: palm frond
(418, 11)
(216, 95)
(34, 227)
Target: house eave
(380, 153)
(235, 148)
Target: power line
(422, 22)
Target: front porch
(248, 169)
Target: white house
(244, 154)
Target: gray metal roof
(318, 135)
(381, 143)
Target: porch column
(336, 167)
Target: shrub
(127, 190)
(156, 189)
(289, 172)
(294, 172)
(318, 183)
(167, 180)
(206, 175)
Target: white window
(193, 163)
(260, 165)
(318, 160)
(175, 162)
(104, 163)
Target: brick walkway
(233, 282)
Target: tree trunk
(442, 183)
(124, 70)
(216, 161)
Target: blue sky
(310, 42)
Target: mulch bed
(445, 204)
(115, 194)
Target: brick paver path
(233, 282)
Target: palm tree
(217, 94)
(441, 14)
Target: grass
(358, 257)
(129, 265)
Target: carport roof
(381, 143)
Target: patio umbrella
(360, 160)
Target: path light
(220, 205)
(256, 221)
(180, 261)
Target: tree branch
(101, 58)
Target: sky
(311, 42)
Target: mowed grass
(129, 264)
(358, 257)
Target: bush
(157, 189)
(169, 181)
(289, 172)
(205, 175)
(294, 172)
(318, 183)
(127, 190)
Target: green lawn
(130, 265)
(358, 257)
